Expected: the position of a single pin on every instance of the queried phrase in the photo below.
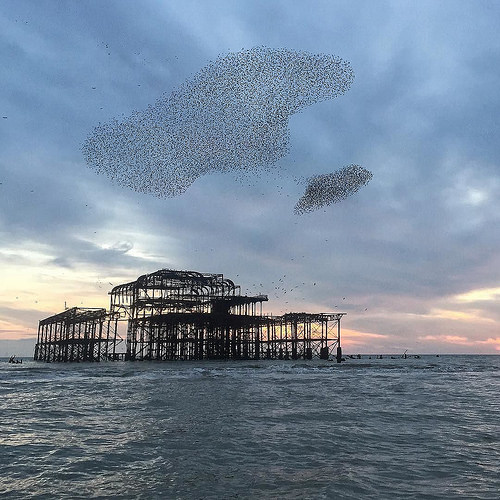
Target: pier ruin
(185, 315)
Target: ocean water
(391, 428)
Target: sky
(412, 258)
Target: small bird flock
(325, 189)
(232, 116)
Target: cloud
(12, 327)
(422, 115)
(453, 339)
(480, 295)
(122, 246)
(462, 340)
(494, 342)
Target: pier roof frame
(173, 279)
(171, 290)
(77, 315)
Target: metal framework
(302, 336)
(186, 315)
(78, 334)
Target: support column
(339, 348)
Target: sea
(424, 427)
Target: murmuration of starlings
(232, 116)
(325, 189)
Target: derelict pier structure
(78, 334)
(186, 315)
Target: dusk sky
(413, 257)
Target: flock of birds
(325, 189)
(232, 116)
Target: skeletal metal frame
(78, 334)
(186, 315)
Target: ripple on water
(379, 429)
